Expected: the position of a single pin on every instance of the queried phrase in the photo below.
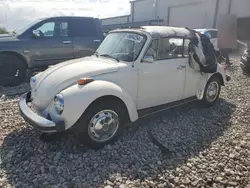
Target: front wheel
(212, 91)
(12, 70)
(103, 123)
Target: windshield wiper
(107, 55)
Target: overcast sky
(17, 13)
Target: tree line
(3, 30)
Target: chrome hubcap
(103, 126)
(212, 91)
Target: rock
(186, 181)
(176, 180)
(232, 183)
(113, 166)
(159, 162)
(108, 186)
(151, 165)
(195, 183)
(218, 179)
(231, 155)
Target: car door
(52, 44)
(194, 79)
(86, 36)
(162, 80)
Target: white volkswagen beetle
(133, 73)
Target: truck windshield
(124, 46)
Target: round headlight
(32, 80)
(59, 103)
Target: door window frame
(170, 37)
(47, 21)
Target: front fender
(77, 99)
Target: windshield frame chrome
(134, 32)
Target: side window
(170, 48)
(53, 29)
(47, 29)
(152, 50)
(63, 29)
(186, 43)
(84, 28)
(214, 34)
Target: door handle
(181, 67)
(97, 40)
(66, 42)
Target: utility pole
(155, 6)
(216, 13)
(229, 6)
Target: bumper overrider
(38, 122)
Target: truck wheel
(212, 91)
(12, 70)
(103, 123)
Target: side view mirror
(36, 33)
(248, 46)
(148, 59)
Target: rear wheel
(103, 123)
(212, 91)
(12, 70)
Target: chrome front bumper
(38, 122)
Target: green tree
(3, 30)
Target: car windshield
(23, 29)
(124, 46)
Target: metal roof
(160, 31)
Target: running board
(153, 110)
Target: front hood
(5, 35)
(7, 38)
(58, 77)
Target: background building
(186, 13)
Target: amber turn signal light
(84, 81)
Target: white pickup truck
(134, 72)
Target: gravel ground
(205, 148)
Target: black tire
(82, 126)
(205, 100)
(245, 71)
(12, 70)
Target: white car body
(139, 85)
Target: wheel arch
(111, 98)
(18, 55)
(219, 76)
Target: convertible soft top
(159, 31)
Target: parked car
(134, 72)
(245, 61)
(45, 42)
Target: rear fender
(78, 98)
(205, 78)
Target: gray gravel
(206, 148)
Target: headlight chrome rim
(59, 103)
(33, 80)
